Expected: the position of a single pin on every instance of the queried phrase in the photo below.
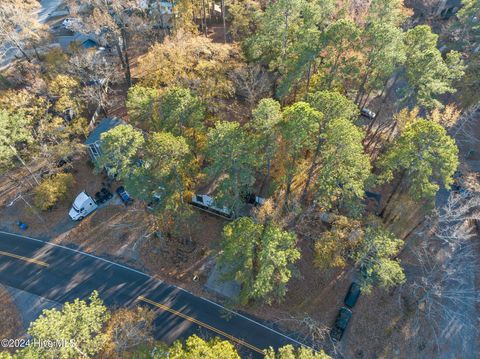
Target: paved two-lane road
(62, 274)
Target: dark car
(352, 295)
(124, 196)
(341, 323)
(103, 196)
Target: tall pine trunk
(311, 169)
(224, 24)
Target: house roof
(87, 41)
(103, 126)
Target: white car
(368, 113)
(70, 22)
(82, 207)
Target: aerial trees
(259, 257)
(466, 35)
(266, 117)
(119, 150)
(142, 104)
(181, 113)
(231, 161)
(290, 352)
(298, 127)
(53, 189)
(15, 136)
(20, 27)
(128, 329)
(423, 157)
(341, 43)
(163, 171)
(195, 347)
(330, 104)
(428, 74)
(382, 46)
(79, 323)
(192, 62)
(374, 258)
(344, 169)
(114, 22)
(334, 247)
(243, 17)
(288, 39)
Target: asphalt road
(61, 274)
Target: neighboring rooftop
(103, 126)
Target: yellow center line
(202, 324)
(29, 260)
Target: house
(94, 139)
(81, 40)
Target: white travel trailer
(82, 207)
(207, 204)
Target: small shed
(94, 139)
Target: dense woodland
(270, 106)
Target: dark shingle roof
(103, 126)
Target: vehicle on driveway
(207, 204)
(82, 206)
(365, 112)
(103, 196)
(252, 198)
(124, 196)
(352, 295)
(341, 323)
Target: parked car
(252, 198)
(71, 22)
(341, 323)
(124, 196)
(103, 196)
(365, 112)
(352, 295)
(154, 202)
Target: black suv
(352, 295)
(341, 323)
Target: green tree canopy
(384, 52)
(15, 135)
(428, 73)
(266, 117)
(344, 168)
(259, 257)
(195, 347)
(424, 156)
(333, 105)
(180, 111)
(119, 150)
(231, 161)
(79, 323)
(341, 63)
(289, 352)
(162, 172)
(298, 129)
(374, 258)
(142, 103)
